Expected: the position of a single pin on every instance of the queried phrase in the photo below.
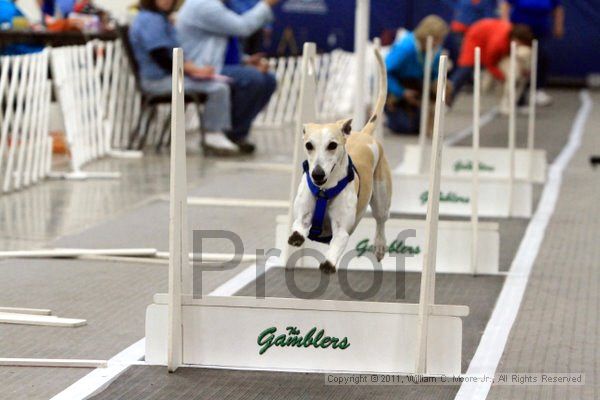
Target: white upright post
(475, 187)
(427, 294)
(4, 93)
(361, 37)
(178, 249)
(532, 107)
(425, 102)
(306, 114)
(512, 124)
(375, 92)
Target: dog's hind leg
(381, 203)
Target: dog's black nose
(318, 175)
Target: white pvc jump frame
(503, 196)
(216, 331)
(530, 163)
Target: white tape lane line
(496, 333)
(97, 380)
(468, 131)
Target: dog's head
(324, 145)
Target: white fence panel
(99, 101)
(25, 145)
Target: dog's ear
(345, 126)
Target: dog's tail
(376, 117)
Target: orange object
(60, 25)
(59, 143)
(493, 37)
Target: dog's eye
(332, 146)
(309, 146)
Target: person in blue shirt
(405, 69)
(253, 43)
(8, 12)
(153, 37)
(546, 18)
(466, 13)
(208, 31)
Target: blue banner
(330, 24)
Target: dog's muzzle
(318, 176)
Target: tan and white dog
(329, 149)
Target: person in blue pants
(153, 37)
(208, 31)
(546, 18)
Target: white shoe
(193, 144)
(219, 144)
(543, 99)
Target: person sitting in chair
(209, 32)
(153, 37)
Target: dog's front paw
(380, 249)
(296, 239)
(327, 268)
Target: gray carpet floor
(558, 326)
(113, 296)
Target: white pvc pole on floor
(427, 293)
(179, 261)
(475, 187)
(532, 107)
(425, 102)
(75, 253)
(361, 37)
(512, 124)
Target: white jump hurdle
(501, 191)
(25, 145)
(454, 253)
(530, 163)
(240, 332)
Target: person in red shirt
(493, 36)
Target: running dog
(344, 172)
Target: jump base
(453, 252)
(493, 162)
(411, 193)
(231, 332)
